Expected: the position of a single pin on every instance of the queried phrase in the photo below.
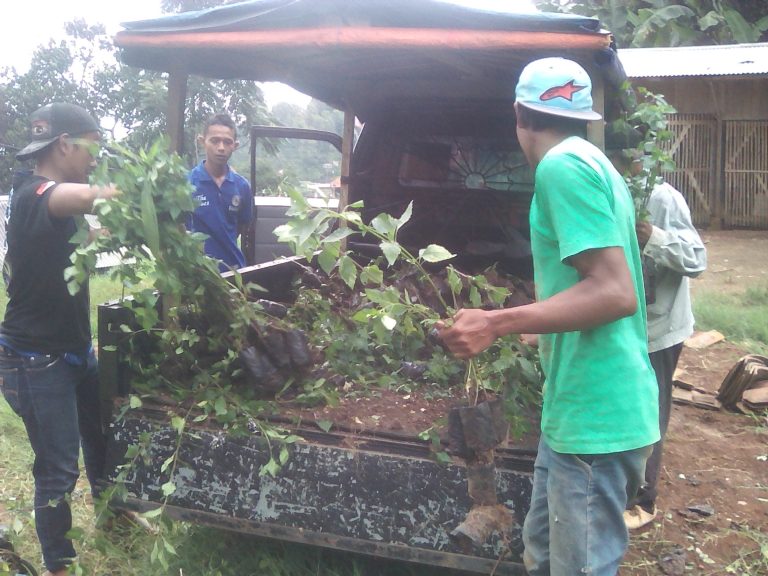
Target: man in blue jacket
(224, 198)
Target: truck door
(260, 244)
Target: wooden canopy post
(177, 96)
(596, 128)
(347, 144)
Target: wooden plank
(596, 130)
(746, 173)
(701, 340)
(177, 95)
(693, 150)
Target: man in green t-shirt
(600, 413)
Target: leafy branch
(649, 118)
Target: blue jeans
(59, 404)
(575, 524)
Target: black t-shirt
(41, 316)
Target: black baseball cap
(46, 124)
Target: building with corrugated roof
(721, 126)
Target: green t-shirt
(600, 392)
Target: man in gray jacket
(672, 246)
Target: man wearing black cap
(47, 365)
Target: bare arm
(605, 293)
(69, 199)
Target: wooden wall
(721, 147)
(733, 98)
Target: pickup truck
(432, 83)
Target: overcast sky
(29, 23)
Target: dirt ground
(711, 458)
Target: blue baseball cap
(556, 86)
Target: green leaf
(709, 20)
(75, 533)
(435, 253)
(298, 200)
(741, 30)
(134, 402)
(371, 274)
(149, 220)
(391, 251)
(348, 271)
(154, 513)
(169, 547)
(271, 468)
(220, 406)
(385, 225)
(454, 281)
(327, 259)
(762, 24)
(338, 234)
(167, 463)
(178, 423)
(474, 297)
(443, 457)
(325, 425)
(168, 488)
(405, 216)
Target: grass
(753, 561)
(103, 289)
(741, 317)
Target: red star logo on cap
(566, 91)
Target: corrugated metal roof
(724, 60)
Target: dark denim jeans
(576, 524)
(664, 363)
(59, 404)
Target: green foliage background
(646, 23)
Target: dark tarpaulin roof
(358, 53)
(272, 14)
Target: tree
(131, 103)
(646, 23)
(298, 160)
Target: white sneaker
(636, 517)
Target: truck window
(468, 163)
